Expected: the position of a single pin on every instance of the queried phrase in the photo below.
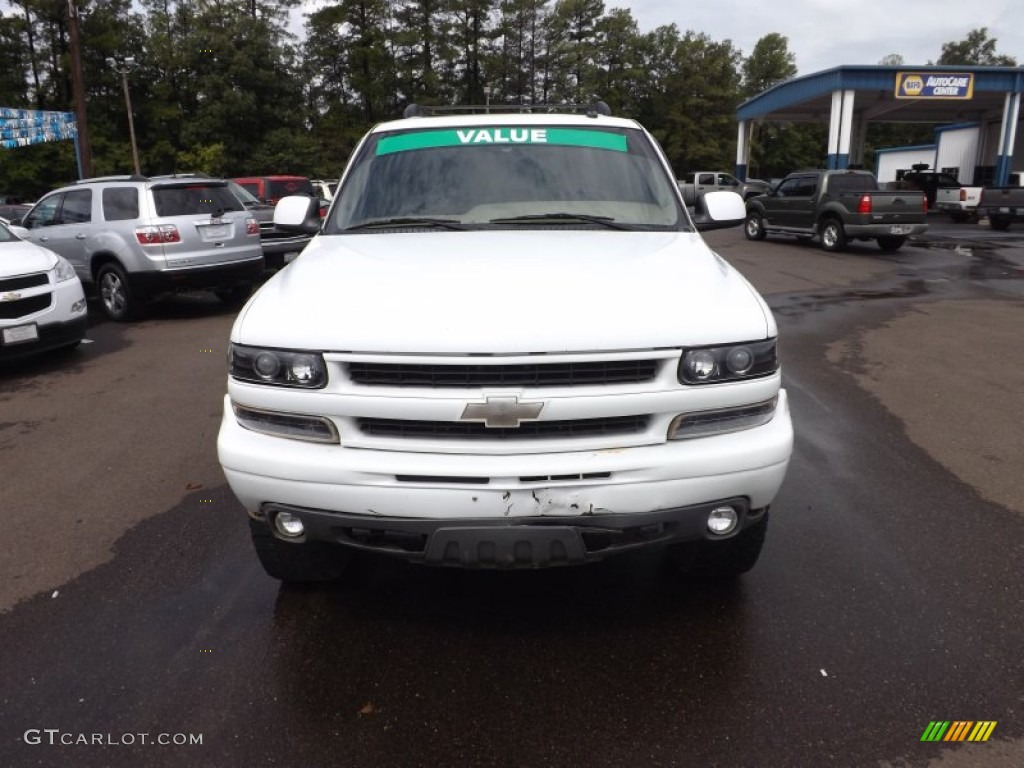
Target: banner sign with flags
(24, 127)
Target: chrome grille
(602, 372)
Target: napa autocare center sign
(24, 127)
(934, 85)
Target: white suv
(507, 346)
(42, 305)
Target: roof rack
(132, 177)
(427, 110)
(184, 175)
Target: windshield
(244, 195)
(6, 236)
(507, 176)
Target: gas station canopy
(848, 98)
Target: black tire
(721, 559)
(234, 297)
(753, 227)
(833, 236)
(116, 297)
(296, 562)
(999, 223)
(890, 243)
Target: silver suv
(135, 238)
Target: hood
(504, 292)
(21, 258)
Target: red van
(270, 189)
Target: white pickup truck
(961, 203)
(507, 346)
(699, 183)
(967, 202)
(944, 192)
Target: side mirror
(18, 230)
(298, 213)
(719, 210)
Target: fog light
(722, 520)
(78, 306)
(289, 525)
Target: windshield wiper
(407, 221)
(606, 221)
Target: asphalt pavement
(888, 595)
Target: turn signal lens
(315, 429)
(722, 420)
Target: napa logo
(934, 85)
(913, 85)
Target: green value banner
(459, 137)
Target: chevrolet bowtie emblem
(12, 296)
(501, 411)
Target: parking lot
(888, 595)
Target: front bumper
(62, 324)
(51, 336)
(529, 542)
(338, 487)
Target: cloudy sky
(828, 33)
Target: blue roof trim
(876, 77)
(916, 147)
(956, 127)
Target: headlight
(63, 270)
(709, 365)
(280, 367)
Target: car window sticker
(404, 142)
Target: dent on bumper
(330, 478)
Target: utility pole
(123, 67)
(78, 87)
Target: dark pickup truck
(1002, 206)
(837, 206)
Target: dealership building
(976, 109)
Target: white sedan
(42, 305)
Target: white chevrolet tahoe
(507, 346)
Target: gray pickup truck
(701, 182)
(1002, 206)
(837, 206)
